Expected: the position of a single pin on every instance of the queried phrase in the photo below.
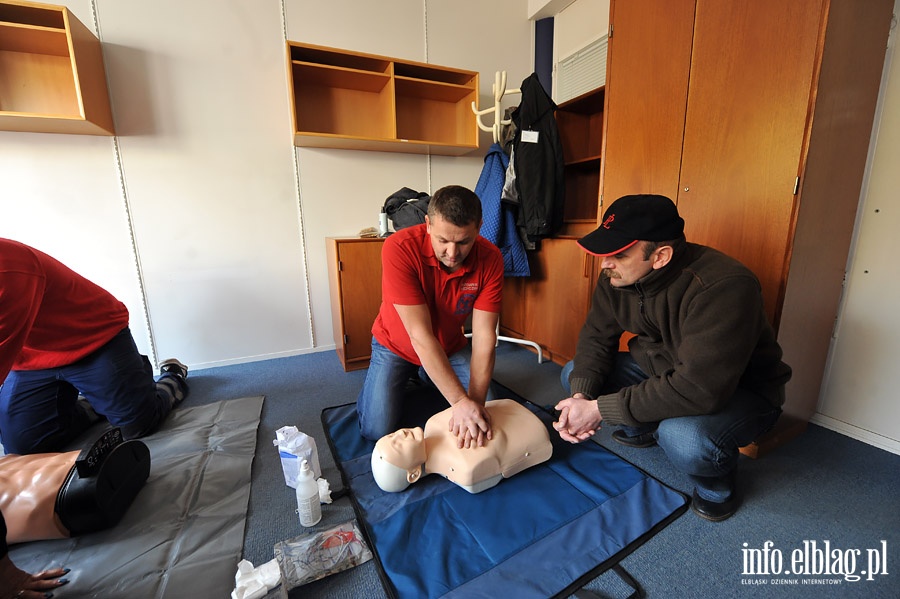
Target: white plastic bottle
(308, 506)
(382, 223)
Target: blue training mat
(544, 532)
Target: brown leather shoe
(714, 511)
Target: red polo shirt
(412, 275)
(49, 315)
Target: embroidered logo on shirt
(465, 304)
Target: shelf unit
(52, 78)
(533, 308)
(350, 100)
(580, 124)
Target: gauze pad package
(294, 447)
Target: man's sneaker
(173, 366)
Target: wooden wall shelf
(52, 78)
(350, 100)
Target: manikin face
(397, 459)
(404, 448)
(451, 244)
(628, 266)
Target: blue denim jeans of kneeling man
(380, 401)
(40, 411)
(707, 447)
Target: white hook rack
(499, 90)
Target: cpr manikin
(520, 440)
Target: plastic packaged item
(294, 446)
(313, 556)
(308, 506)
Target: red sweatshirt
(49, 315)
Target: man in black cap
(703, 375)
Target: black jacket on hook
(539, 163)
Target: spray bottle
(382, 223)
(308, 506)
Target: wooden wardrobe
(755, 117)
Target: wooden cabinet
(755, 117)
(550, 306)
(52, 78)
(343, 99)
(354, 280)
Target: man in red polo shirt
(435, 276)
(61, 335)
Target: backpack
(406, 207)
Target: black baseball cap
(634, 218)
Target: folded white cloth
(253, 583)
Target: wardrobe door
(752, 71)
(646, 91)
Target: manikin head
(398, 458)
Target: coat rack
(499, 90)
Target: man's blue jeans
(39, 411)
(707, 447)
(380, 402)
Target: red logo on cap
(608, 221)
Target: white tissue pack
(293, 447)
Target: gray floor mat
(183, 535)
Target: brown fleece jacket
(701, 333)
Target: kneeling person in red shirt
(434, 276)
(61, 335)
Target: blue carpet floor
(822, 490)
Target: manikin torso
(519, 440)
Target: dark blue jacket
(499, 226)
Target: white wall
(201, 215)
(199, 101)
(860, 396)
